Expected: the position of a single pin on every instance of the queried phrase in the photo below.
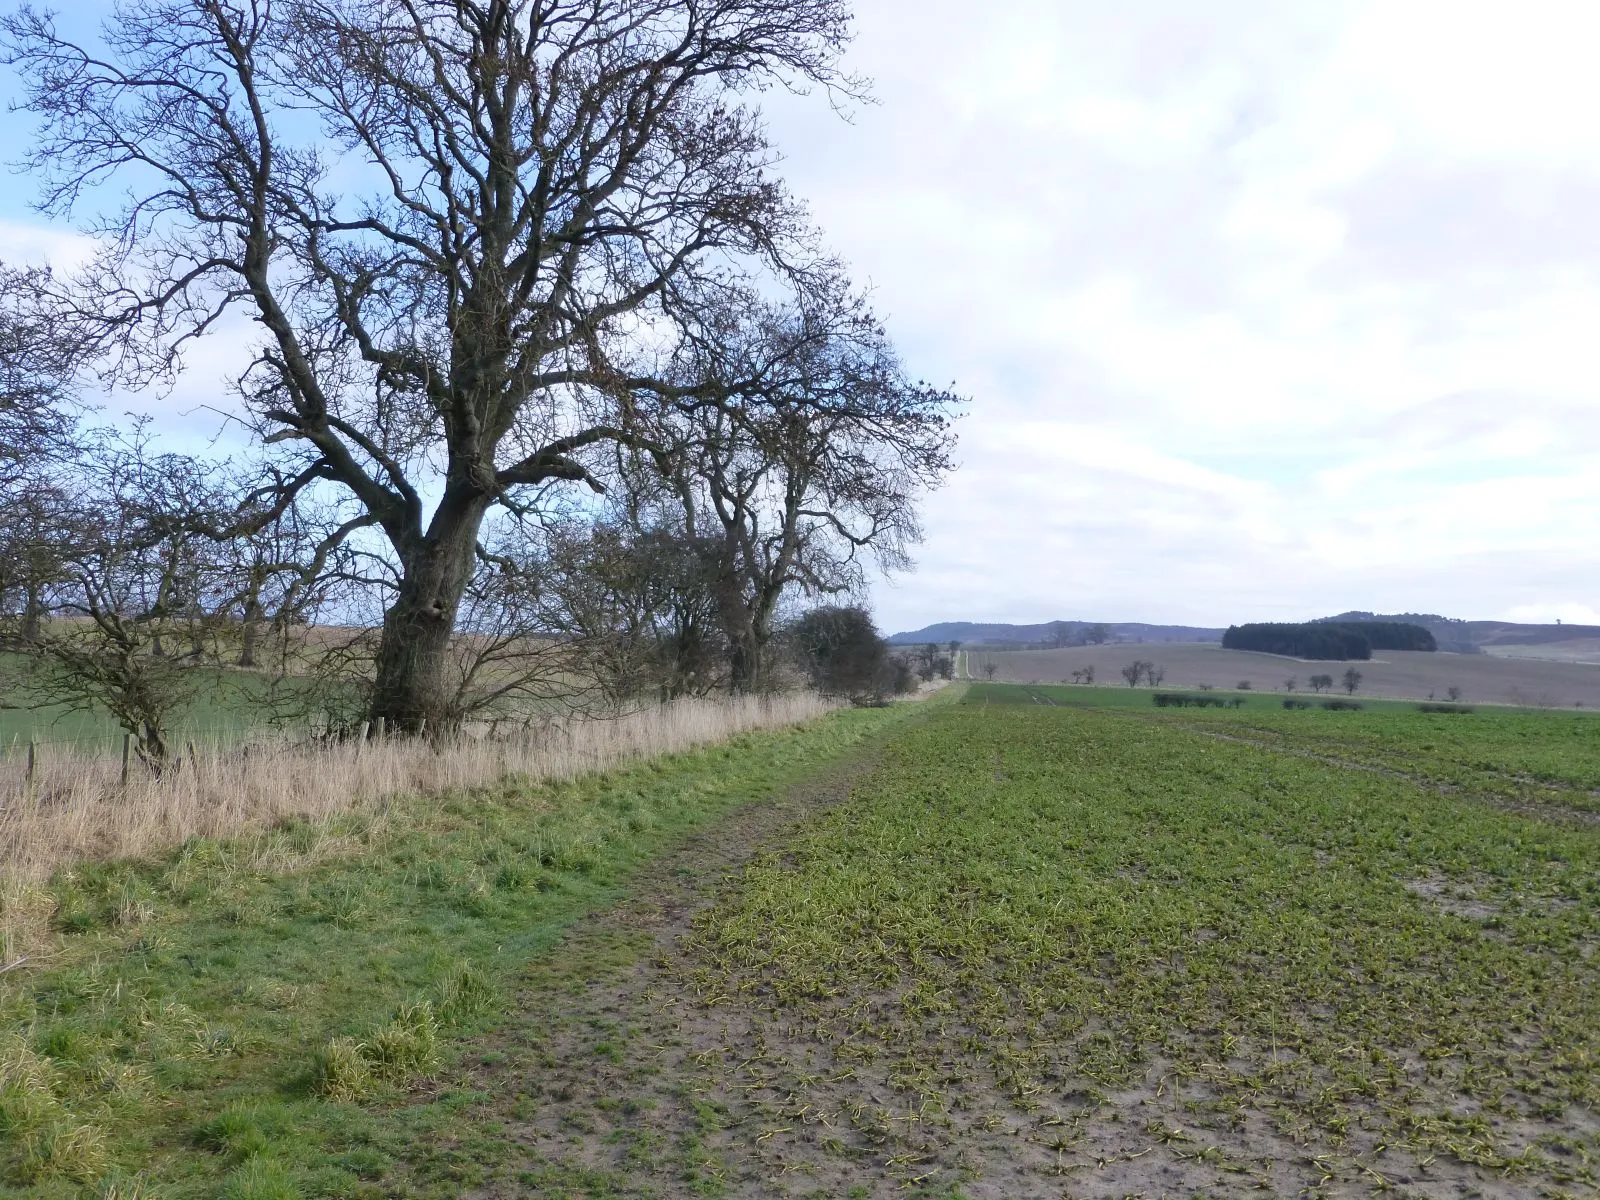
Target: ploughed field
(1015, 941)
(1482, 678)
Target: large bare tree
(442, 215)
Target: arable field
(1482, 678)
(1010, 942)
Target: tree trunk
(412, 683)
(249, 632)
(32, 608)
(744, 662)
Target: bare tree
(1453, 692)
(1135, 671)
(1098, 635)
(133, 573)
(1155, 673)
(633, 599)
(1321, 683)
(989, 669)
(38, 415)
(438, 323)
(1351, 680)
(797, 445)
(1290, 684)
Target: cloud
(1263, 309)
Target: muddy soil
(621, 1081)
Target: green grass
(1490, 748)
(211, 1028)
(228, 709)
(1106, 696)
(1493, 750)
(1059, 904)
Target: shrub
(1179, 700)
(843, 654)
(1343, 705)
(1291, 702)
(1445, 708)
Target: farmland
(1010, 942)
(1482, 678)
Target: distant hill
(1052, 633)
(1452, 633)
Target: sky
(1264, 311)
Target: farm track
(605, 1087)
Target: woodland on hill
(1336, 641)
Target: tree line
(1328, 640)
(545, 382)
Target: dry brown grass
(77, 809)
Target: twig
(14, 965)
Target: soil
(621, 1081)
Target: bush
(1179, 700)
(1343, 705)
(843, 654)
(1445, 708)
(1291, 702)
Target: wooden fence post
(365, 725)
(378, 731)
(33, 762)
(194, 761)
(127, 752)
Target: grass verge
(276, 1015)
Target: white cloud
(1264, 309)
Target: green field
(231, 706)
(1038, 948)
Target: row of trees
(550, 379)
